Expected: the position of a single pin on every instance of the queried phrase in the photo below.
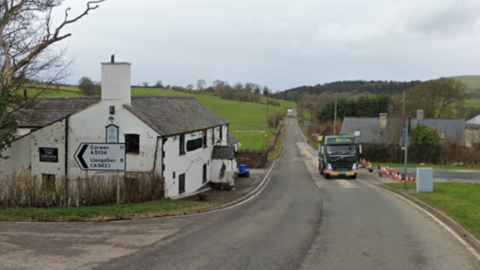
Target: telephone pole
(335, 117)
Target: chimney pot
(383, 122)
(112, 58)
(420, 115)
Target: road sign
(101, 157)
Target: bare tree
(27, 35)
(87, 86)
(201, 83)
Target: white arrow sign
(101, 156)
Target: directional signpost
(102, 157)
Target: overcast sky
(278, 43)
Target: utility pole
(335, 117)
(274, 119)
(407, 131)
(403, 106)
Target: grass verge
(272, 155)
(86, 213)
(461, 202)
(413, 166)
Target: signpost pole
(118, 188)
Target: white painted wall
(19, 158)
(116, 82)
(22, 132)
(52, 136)
(191, 164)
(228, 176)
(89, 126)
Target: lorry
(338, 155)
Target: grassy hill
(471, 81)
(247, 120)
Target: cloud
(279, 43)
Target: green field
(247, 120)
(471, 81)
(459, 201)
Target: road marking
(456, 236)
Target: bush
(425, 144)
(26, 191)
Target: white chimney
(383, 122)
(420, 115)
(116, 82)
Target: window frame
(129, 141)
(182, 187)
(182, 144)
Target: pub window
(193, 145)
(48, 182)
(181, 183)
(132, 144)
(204, 176)
(221, 134)
(204, 135)
(213, 136)
(182, 144)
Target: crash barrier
(385, 171)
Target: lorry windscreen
(341, 149)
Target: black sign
(48, 154)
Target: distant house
(472, 130)
(178, 138)
(382, 130)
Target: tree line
(355, 87)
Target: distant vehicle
(290, 112)
(338, 155)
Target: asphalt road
(299, 221)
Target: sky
(276, 43)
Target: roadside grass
(459, 201)
(85, 213)
(272, 155)
(413, 166)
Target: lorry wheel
(327, 176)
(354, 176)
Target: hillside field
(247, 120)
(471, 81)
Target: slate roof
(231, 140)
(368, 126)
(474, 122)
(166, 115)
(44, 111)
(174, 115)
(452, 129)
(223, 152)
